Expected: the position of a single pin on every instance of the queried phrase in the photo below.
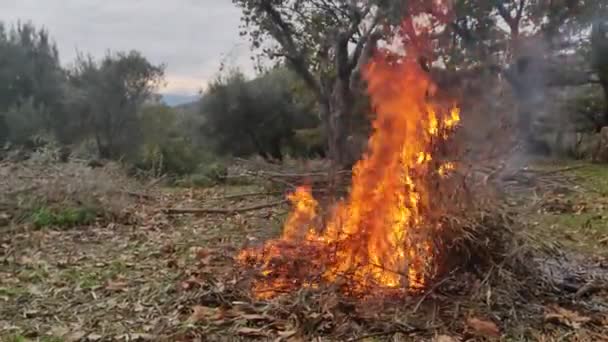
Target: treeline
(108, 108)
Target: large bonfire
(384, 235)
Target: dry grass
(34, 184)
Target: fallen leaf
(287, 334)
(445, 338)
(250, 331)
(117, 285)
(137, 337)
(168, 248)
(557, 314)
(75, 336)
(254, 317)
(94, 337)
(60, 331)
(483, 327)
(202, 313)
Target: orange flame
(379, 236)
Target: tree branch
(284, 36)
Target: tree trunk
(604, 83)
(339, 123)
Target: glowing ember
(382, 234)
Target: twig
(432, 289)
(137, 194)
(589, 288)
(156, 181)
(564, 169)
(174, 211)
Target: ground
(135, 279)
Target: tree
(599, 42)
(109, 94)
(258, 116)
(31, 75)
(165, 149)
(327, 43)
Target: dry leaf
(287, 334)
(94, 337)
(202, 313)
(254, 317)
(137, 337)
(445, 338)
(117, 285)
(557, 314)
(483, 327)
(74, 336)
(250, 331)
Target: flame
(382, 234)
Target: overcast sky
(191, 36)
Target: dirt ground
(132, 279)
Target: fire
(382, 234)
(379, 235)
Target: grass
(594, 177)
(583, 225)
(66, 218)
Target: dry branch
(248, 194)
(177, 211)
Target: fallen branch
(249, 194)
(156, 181)
(177, 211)
(548, 172)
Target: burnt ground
(149, 276)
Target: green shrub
(308, 142)
(176, 157)
(207, 174)
(68, 217)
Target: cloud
(191, 36)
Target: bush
(23, 122)
(165, 149)
(253, 117)
(308, 143)
(177, 157)
(207, 174)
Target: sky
(192, 37)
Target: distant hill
(190, 107)
(178, 100)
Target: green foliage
(24, 121)
(69, 217)
(586, 109)
(165, 149)
(253, 117)
(31, 81)
(308, 143)
(207, 174)
(108, 95)
(16, 338)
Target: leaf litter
(155, 277)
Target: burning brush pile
(411, 217)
